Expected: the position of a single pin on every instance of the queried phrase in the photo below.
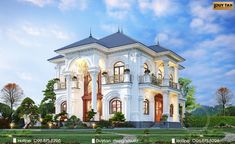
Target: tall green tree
(47, 105)
(5, 111)
(188, 91)
(29, 111)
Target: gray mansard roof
(114, 40)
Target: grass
(85, 136)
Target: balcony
(155, 81)
(150, 79)
(62, 85)
(126, 78)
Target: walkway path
(229, 137)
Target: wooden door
(158, 107)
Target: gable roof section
(85, 41)
(158, 49)
(117, 39)
(56, 57)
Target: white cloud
(230, 73)
(169, 38)
(205, 20)
(118, 8)
(71, 4)
(39, 3)
(159, 7)
(25, 76)
(109, 27)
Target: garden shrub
(98, 130)
(104, 124)
(4, 123)
(121, 124)
(118, 116)
(72, 122)
(201, 121)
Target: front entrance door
(158, 107)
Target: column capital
(68, 73)
(94, 70)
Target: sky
(30, 31)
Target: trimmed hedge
(202, 121)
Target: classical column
(166, 103)
(176, 110)
(166, 72)
(176, 73)
(94, 72)
(141, 112)
(68, 89)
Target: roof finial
(90, 33)
(118, 29)
(121, 30)
(158, 43)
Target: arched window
(146, 107)
(159, 76)
(115, 106)
(118, 71)
(171, 110)
(171, 78)
(63, 106)
(146, 67)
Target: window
(63, 106)
(146, 67)
(118, 71)
(146, 107)
(159, 74)
(115, 106)
(171, 110)
(171, 78)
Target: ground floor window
(63, 106)
(171, 110)
(115, 105)
(146, 107)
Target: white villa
(119, 74)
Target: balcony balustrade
(126, 78)
(155, 81)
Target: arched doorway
(87, 95)
(158, 107)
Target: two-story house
(119, 74)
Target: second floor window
(146, 107)
(159, 75)
(171, 78)
(118, 71)
(146, 67)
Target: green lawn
(85, 136)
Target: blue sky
(30, 30)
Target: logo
(14, 140)
(93, 140)
(173, 141)
(223, 5)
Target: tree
(11, 94)
(29, 111)
(47, 105)
(224, 97)
(188, 91)
(5, 111)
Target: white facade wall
(131, 94)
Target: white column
(176, 111)
(141, 112)
(176, 70)
(127, 107)
(94, 72)
(68, 89)
(166, 72)
(156, 69)
(166, 103)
